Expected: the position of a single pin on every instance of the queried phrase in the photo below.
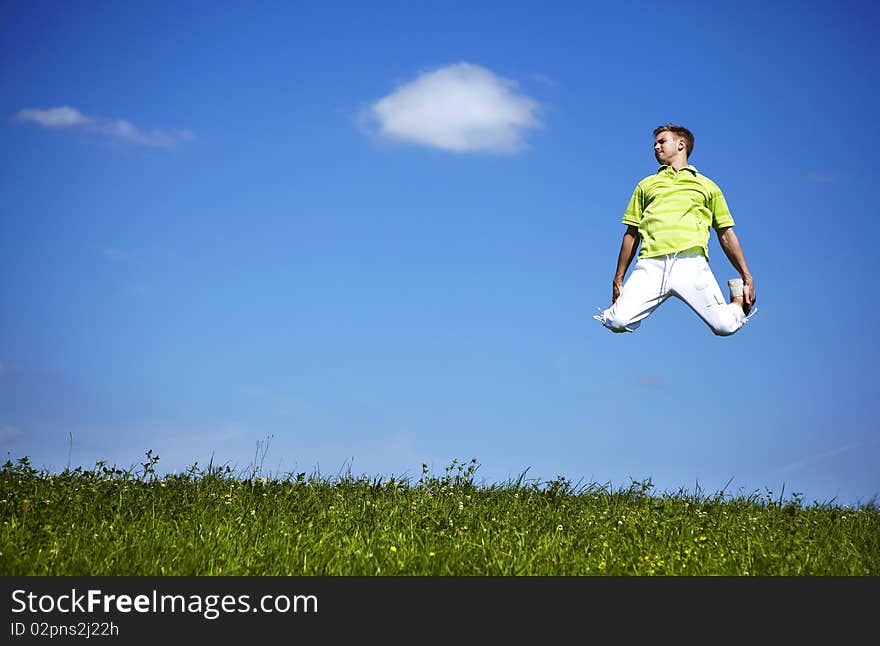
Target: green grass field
(109, 521)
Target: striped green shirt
(674, 211)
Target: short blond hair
(678, 131)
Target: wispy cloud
(114, 254)
(820, 457)
(462, 108)
(546, 80)
(823, 178)
(69, 118)
(64, 117)
(7, 368)
(8, 433)
(651, 382)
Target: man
(670, 214)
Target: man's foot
(735, 286)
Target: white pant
(685, 275)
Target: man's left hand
(749, 294)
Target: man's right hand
(628, 247)
(749, 295)
(616, 288)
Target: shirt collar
(688, 167)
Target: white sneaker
(735, 286)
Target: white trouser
(685, 275)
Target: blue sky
(371, 236)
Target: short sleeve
(633, 213)
(721, 216)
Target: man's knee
(728, 325)
(612, 320)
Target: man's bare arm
(628, 247)
(730, 244)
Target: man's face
(666, 146)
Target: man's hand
(749, 294)
(616, 288)
(628, 247)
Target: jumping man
(670, 213)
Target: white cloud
(823, 178)
(9, 433)
(461, 108)
(815, 459)
(651, 382)
(63, 117)
(126, 131)
(7, 368)
(118, 129)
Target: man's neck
(678, 164)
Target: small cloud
(461, 108)
(126, 131)
(114, 254)
(8, 433)
(185, 135)
(823, 178)
(545, 80)
(8, 368)
(117, 129)
(63, 117)
(651, 382)
(825, 455)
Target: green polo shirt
(674, 211)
